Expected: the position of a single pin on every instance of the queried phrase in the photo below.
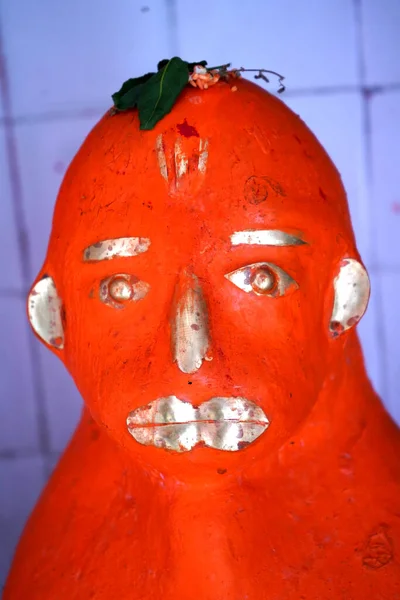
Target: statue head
(201, 278)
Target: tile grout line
(380, 336)
(23, 245)
(327, 90)
(11, 454)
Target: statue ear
(351, 290)
(45, 312)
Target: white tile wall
(381, 27)
(312, 44)
(22, 479)
(18, 409)
(385, 130)
(44, 152)
(74, 55)
(10, 269)
(63, 60)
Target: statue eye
(263, 279)
(120, 289)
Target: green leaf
(162, 64)
(126, 97)
(128, 100)
(158, 94)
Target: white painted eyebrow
(265, 237)
(107, 249)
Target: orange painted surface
(310, 510)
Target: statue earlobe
(351, 296)
(45, 312)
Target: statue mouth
(228, 424)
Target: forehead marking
(107, 249)
(162, 162)
(265, 237)
(181, 160)
(181, 164)
(203, 158)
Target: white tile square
(62, 400)
(312, 44)
(390, 287)
(18, 411)
(381, 28)
(45, 151)
(10, 270)
(75, 54)
(337, 122)
(21, 481)
(385, 117)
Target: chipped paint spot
(378, 550)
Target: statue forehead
(192, 172)
(199, 175)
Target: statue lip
(223, 423)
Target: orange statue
(201, 285)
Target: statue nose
(189, 327)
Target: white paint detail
(266, 237)
(162, 162)
(203, 158)
(245, 277)
(181, 161)
(352, 291)
(44, 311)
(119, 289)
(118, 247)
(223, 423)
(190, 333)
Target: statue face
(198, 318)
(199, 298)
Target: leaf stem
(224, 67)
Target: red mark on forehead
(187, 130)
